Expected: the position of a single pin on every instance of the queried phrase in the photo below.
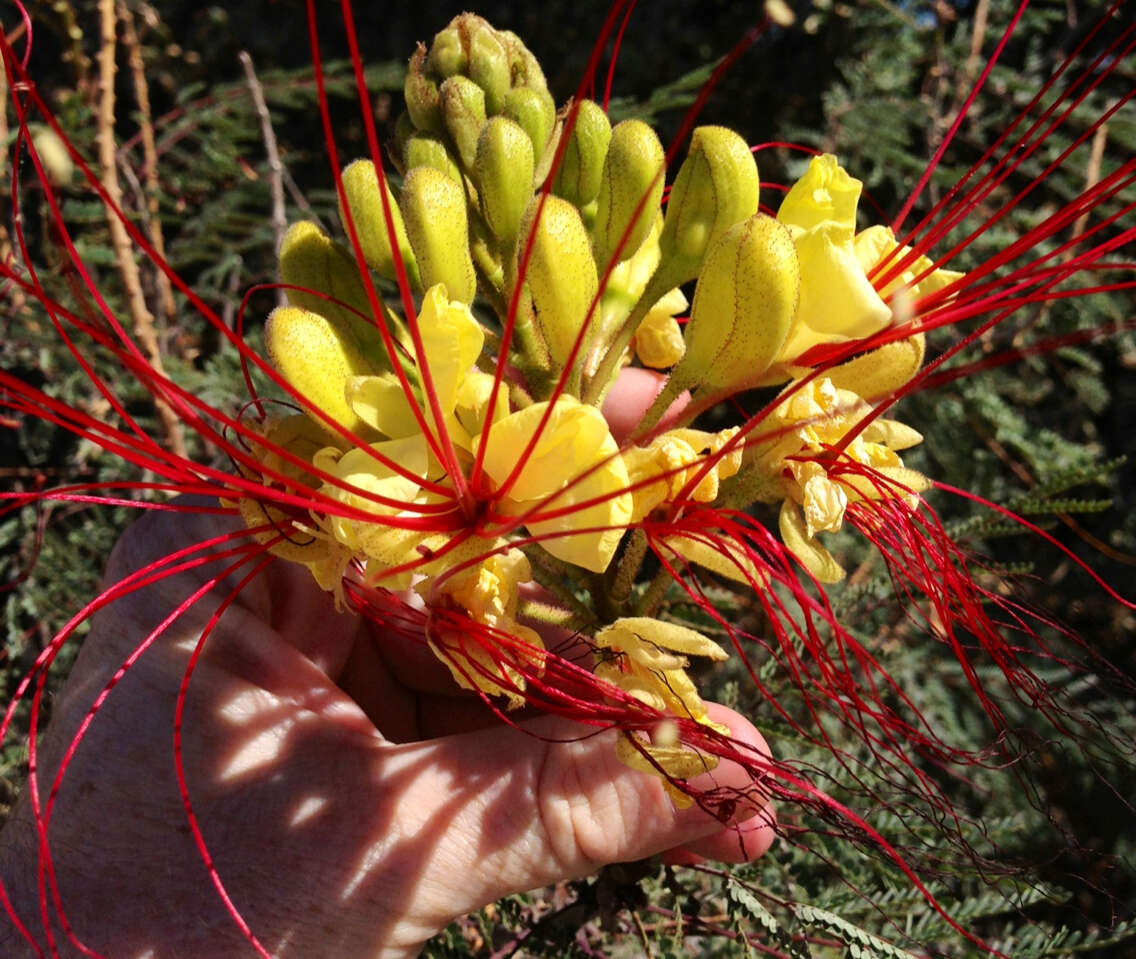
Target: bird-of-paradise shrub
(430, 426)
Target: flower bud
(503, 172)
(561, 273)
(716, 187)
(316, 359)
(422, 100)
(361, 188)
(489, 65)
(631, 188)
(582, 164)
(463, 107)
(434, 208)
(448, 53)
(426, 150)
(743, 306)
(523, 66)
(534, 111)
(312, 263)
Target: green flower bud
(361, 186)
(582, 164)
(561, 273)
(426, 150)
(631, 189)
(534, 111)
(717, 186)
(311, 263)
(503, 172)
(448, 53)
(524, 68)
(743, 306)
(434, 208)
(463, 106)
(422, 99)
(316, 359)
(489, 65)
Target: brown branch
(149, 157)
(275, 167)
(977, 41)
(1092, 177)
(142, 319)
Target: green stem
(597, 385)
(628, 568)
(654, 594)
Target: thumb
(530, 808)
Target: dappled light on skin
(492, 456)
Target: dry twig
(141, 317)
(275, 167)
(149, 156)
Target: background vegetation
(875, 82)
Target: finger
(634, 391)
(753, 831)
(529, 808)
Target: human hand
(338, 826)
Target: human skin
(354, 801)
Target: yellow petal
(815, 558)
(681, 639)
(826, 193)
(573, 460)
(724, 557)
(837, 301)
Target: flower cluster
(465, 436)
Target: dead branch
(141, 318)
(275, 167)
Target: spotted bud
(523, 66)
(361, 188)
(489, 65)
(716, 187)
(631, 189)
(883, 371)
(311, 263)
(743, 306)
(582, 164)
(561, 275)
(316, 359)
(534, 111)
(463, 107)
(503, 172)
(421, 92)
(426, 150)
(434, 208)
(448, 53)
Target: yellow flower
(838, 302)
(658, 340)
(647, 658)
(574, 470)
(488, 593)
(803, 429)
(674, 459)
(877, 243)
